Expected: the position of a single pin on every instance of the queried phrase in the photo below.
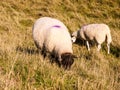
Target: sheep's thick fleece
(53, 34)
(97, 32)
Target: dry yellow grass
(22, 67)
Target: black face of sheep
(67, 60)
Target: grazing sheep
(51, 35)
(97, 32)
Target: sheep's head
(67, 60)
(74, 36)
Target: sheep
(52, 36)
(97, 32)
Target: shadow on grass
(80, 42)
(115, 50)
(83, 43)
(30, 51)
(27, 50)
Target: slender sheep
(97, 32)
(51, 35)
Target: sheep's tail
(108, 38)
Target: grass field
(22, 67)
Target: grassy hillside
(22, 67)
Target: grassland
(22, 67)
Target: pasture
(22, 67)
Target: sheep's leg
(108, 46)
(58, 60)
(43, 51)
(88, 47)
(99, 47)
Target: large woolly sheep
(97, 32)
(51, 35)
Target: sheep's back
(96, 31)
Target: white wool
(58, 39)
(54, 38)
(41, 26)
(97, 32)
